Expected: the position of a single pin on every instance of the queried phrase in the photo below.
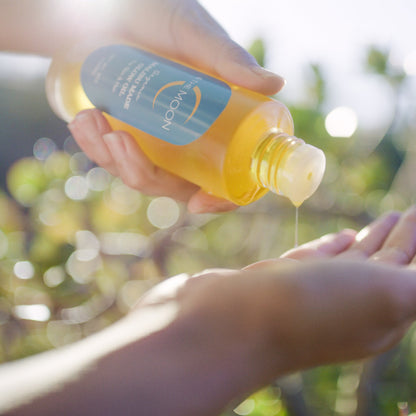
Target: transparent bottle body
(220, 161)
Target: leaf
(258, 50)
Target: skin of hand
(351, 296)
(188, 33)
(206, 340)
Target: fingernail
(265, 73)
(81, 120)
(347, 234)
(393, 217)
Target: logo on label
(176, 101)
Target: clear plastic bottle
(232, 142)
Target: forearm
(108, 373)
(165, 368)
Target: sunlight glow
(409, 63)
(104, 11)
(341, 122)
(114, 243)
(362, 234)
(18, 68)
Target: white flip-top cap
(301, 172)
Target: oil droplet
(296, 227)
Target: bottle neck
(288, 166)
(268, 157)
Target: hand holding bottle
(186, 32)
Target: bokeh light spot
(246, 407)
(98, 179)
(345, 405)
(40, 313)
(124, 199)
(163, 212)
(26, 194)
(131, 292)
(79, 162)
(71, 146)
(54, 276)
(57, 165)
(409, 63)
(43, 148)
(87, 245)
(76, 188)
(24, 270)
(114, 243)
(341, 122)
(82, 271)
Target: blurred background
(78, 247)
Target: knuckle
(394, 255)
(134, 182)
(105, 160)
(229, 51)
(139, 180)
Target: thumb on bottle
(233, 63)
(204, 43)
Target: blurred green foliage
(258, 50)
(78, 248)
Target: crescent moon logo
(197, 92)
(195, 89)
(170, 84)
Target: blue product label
(160, 97)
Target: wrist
(275, 299)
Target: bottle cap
(301, 172)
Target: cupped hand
(185, 31)
(249, 327)
(353, 289)
(390, 238)
(343, 297)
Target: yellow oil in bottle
(248, 150)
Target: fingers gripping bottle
(232, 142)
